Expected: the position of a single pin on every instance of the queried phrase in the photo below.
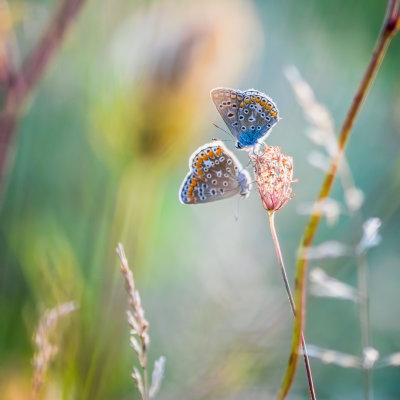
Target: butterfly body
(214, 174)
(249, 114)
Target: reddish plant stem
(388, 30)
(278, 252)
(23, 82)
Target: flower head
(274, 177)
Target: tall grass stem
(389, 28)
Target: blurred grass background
(101, 152)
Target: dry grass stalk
(140, 338)
(389, 28)
(45, 351)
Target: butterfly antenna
(226, 132)
(221, 129)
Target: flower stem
(291, 301)
(390, 26)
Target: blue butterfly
(215, 174)
(249, 114)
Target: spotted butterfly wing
(215, 174)
(249, 114)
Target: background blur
(101, 152)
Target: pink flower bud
(274, 177)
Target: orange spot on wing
(263, 102)
(218, 152)
(210, 153)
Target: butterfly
(249, 114)
(215, 174)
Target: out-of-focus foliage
(101, 151)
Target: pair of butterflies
(215, 173)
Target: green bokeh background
(101, 151)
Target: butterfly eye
(209, 176)
(243, 129)
(225, 183)
(214, 182)
(229, 161)
(246, 111)
(241, 117)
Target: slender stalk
(146, 382)
(362, 278)
(21, 83)
(389, 28)
(291, 301)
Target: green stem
(291, 301)
(388, 30)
